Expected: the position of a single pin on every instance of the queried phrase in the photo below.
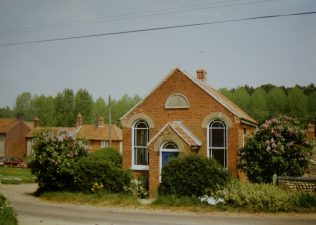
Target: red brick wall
(96, 144)
(15, 140)
(201, 105)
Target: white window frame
(134, 166)
(225, 148)
(162, 149)
(104, 143)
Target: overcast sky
(280, 51)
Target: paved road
(33, 211)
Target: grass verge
(7, 215)
(10, 175)
(98, 199)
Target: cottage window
(140, 140)
(217, 141)
(104, 144)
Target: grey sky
(281, 51)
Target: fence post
(275, 179)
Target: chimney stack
(201, 75)
(101, 122)
(79, 120)
(311, 130)
(36, 122)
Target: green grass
(7, 215)
(99, 199)
(9, 175)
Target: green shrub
(7, 215)
(53, 159)
(264, 197)
(279, 146)
(99, 172)
(192, 176)
(108, 154)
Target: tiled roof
(95, 132)
(224, 100)
(218, 96)
(6, 124)
(182, 131)
(185, 133)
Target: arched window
(217, 141)
(140, 140)
(167, 151)
(177, 101)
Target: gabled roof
(218, 96)
(6, 124)
(182, 131)
(95, 132)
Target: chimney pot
(79, 120)
(100, 122)
(201, 75)
(36, 122)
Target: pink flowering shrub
(53, 159)
(279, 146)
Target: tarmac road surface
(33, 211)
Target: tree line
(261, 103)
(62, 110)
(268, 100)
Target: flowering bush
(53, 158)
(279, 146)
(96, 187)
(136, 188)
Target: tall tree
(44, 107)
(64, 108)
(258, 105)
(6, 112)
(240, 97)
(23, 105)
(83, 104)
(99, 108)
(312, 107)
(276, 102)
(297, 104)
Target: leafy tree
(99, 108)
(53, 158)
(279, 146)
(276, 102)
(23, 105)
(120, 107)
(43, 107)
(240, 97)
(64, 109)
(6, 112)
(83, 104)
(312, 107)
(258, 105)
(297, 104)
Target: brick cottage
(182, 115)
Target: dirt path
(33, 211)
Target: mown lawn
(10, 175)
